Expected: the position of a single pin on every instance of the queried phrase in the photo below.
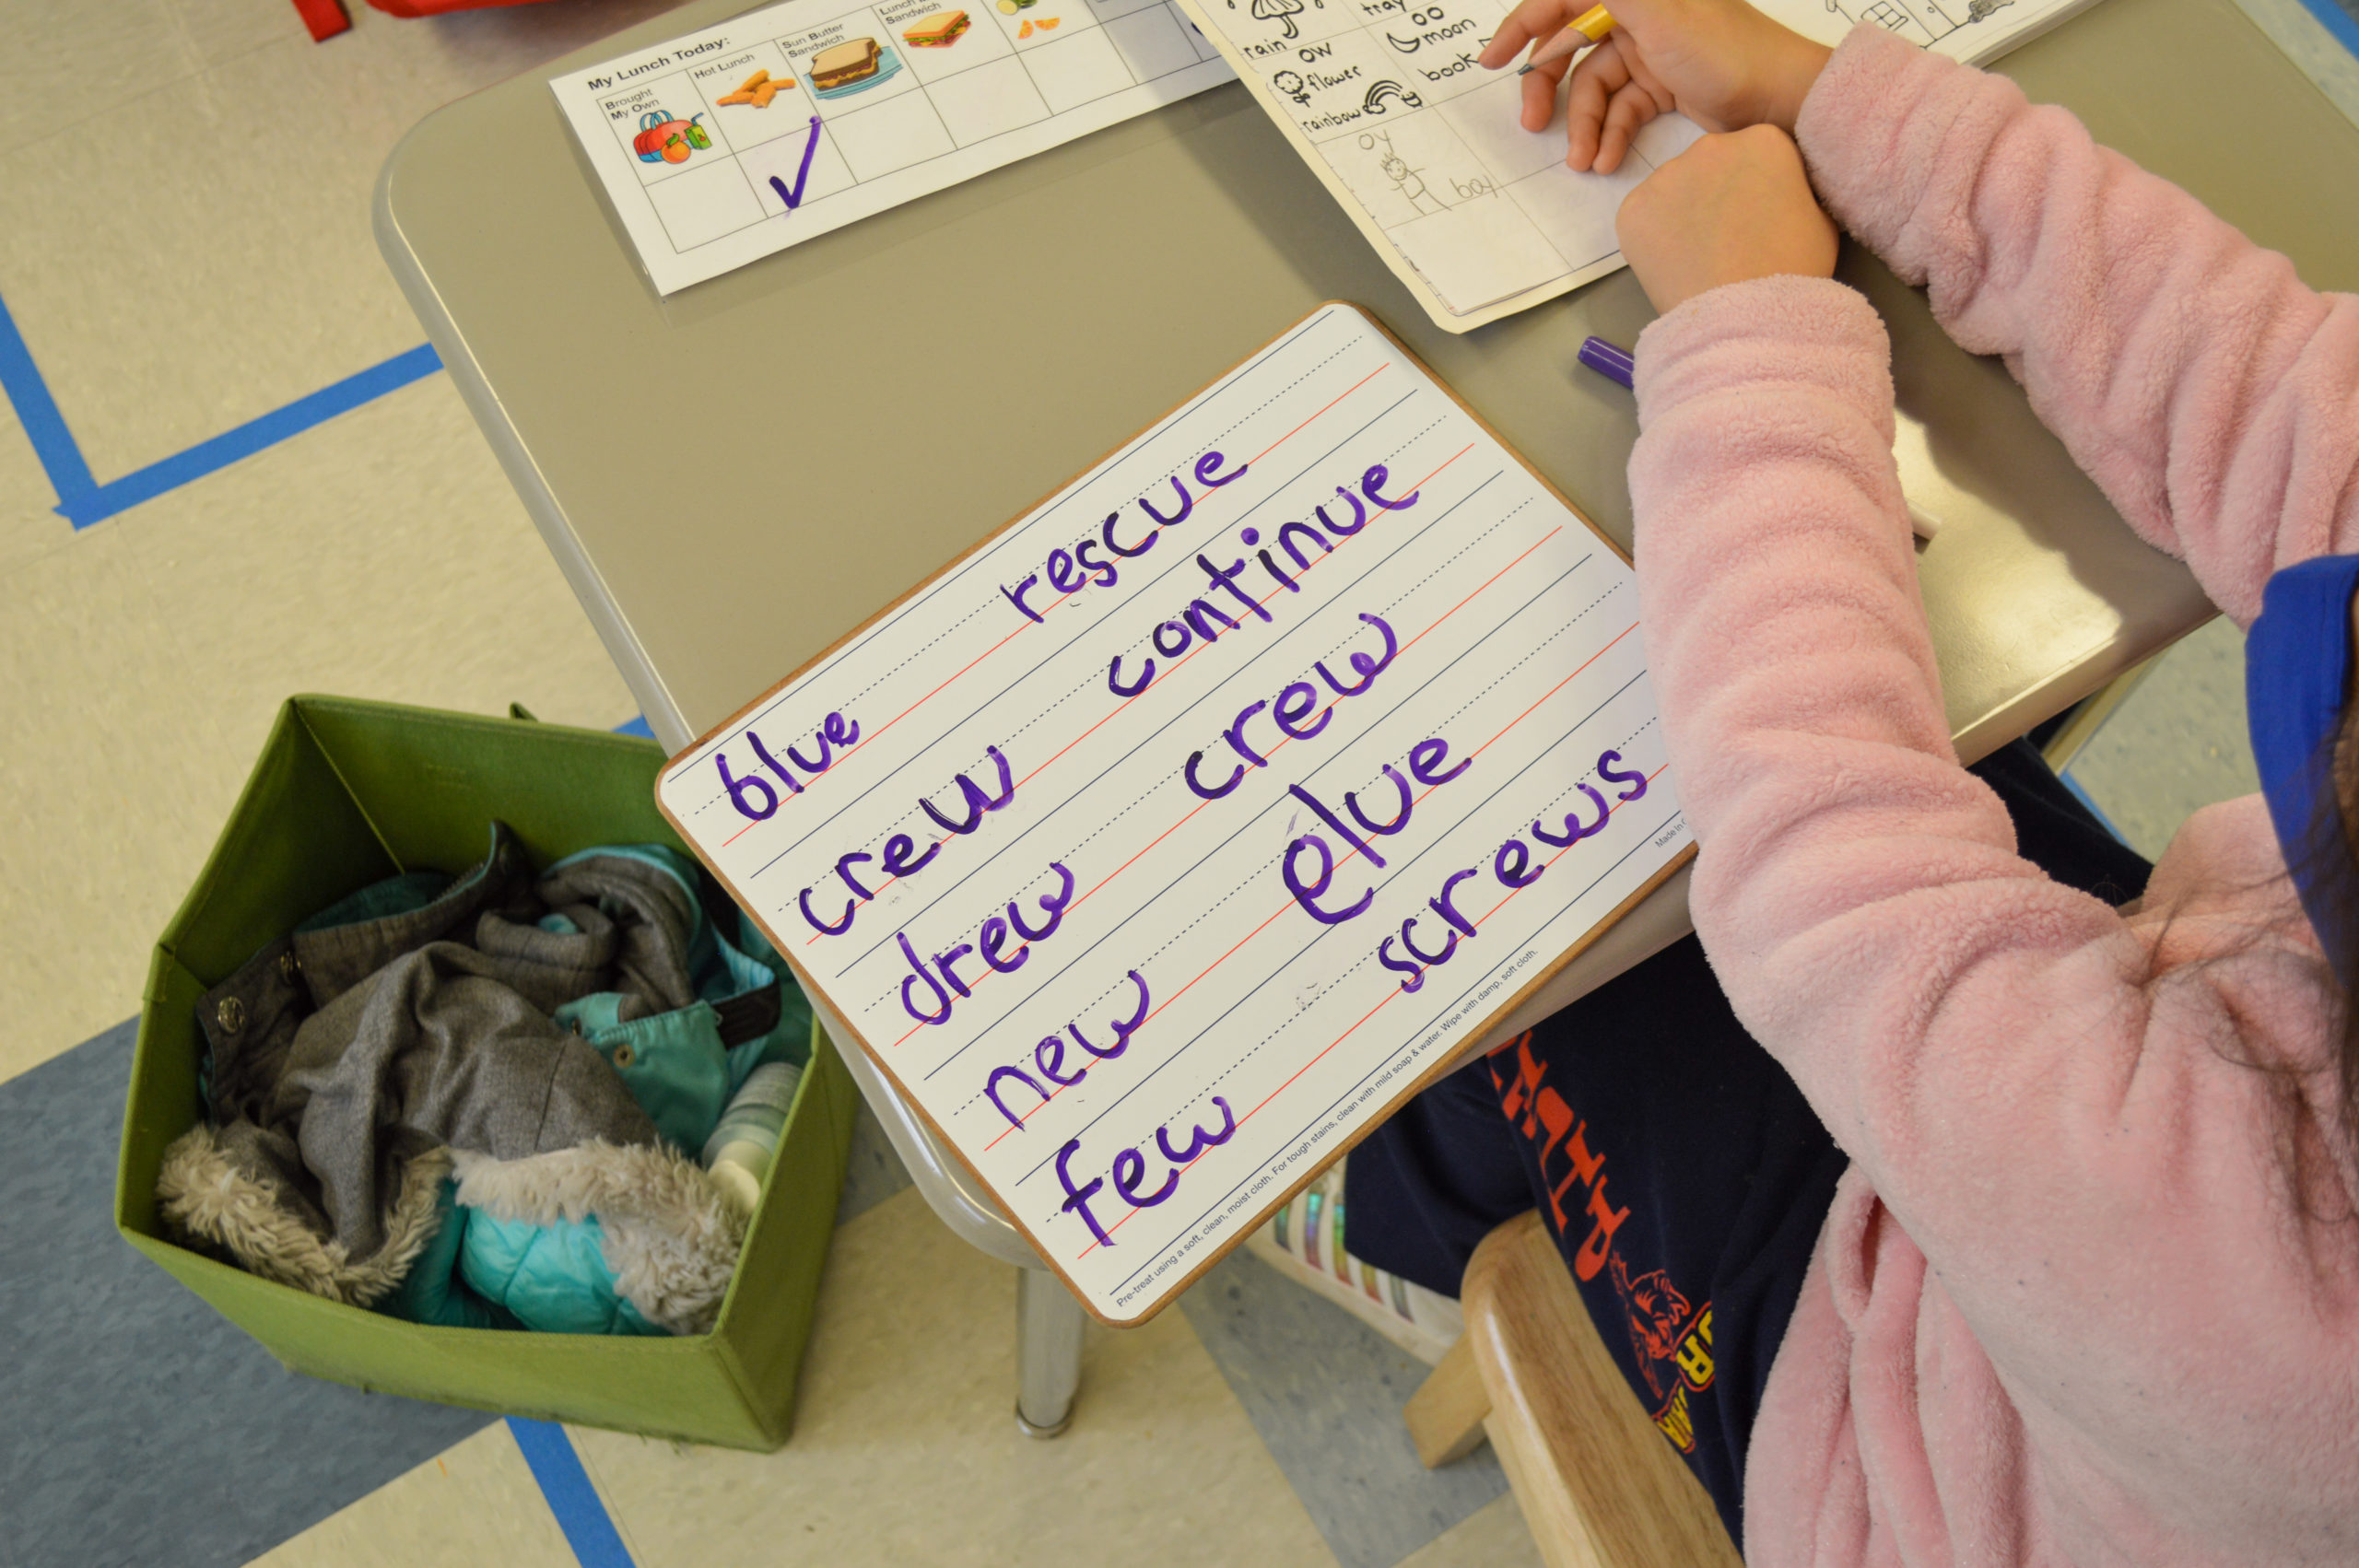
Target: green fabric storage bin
(347, 793)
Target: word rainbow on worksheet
(1158, 847)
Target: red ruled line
(1027, 625)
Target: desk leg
(1048, 1353)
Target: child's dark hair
(2345, 800)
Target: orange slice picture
(1045, 23)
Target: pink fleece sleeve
(2188, 371)
(2061, 1119)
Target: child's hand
(1721, 63)
(1729, 209)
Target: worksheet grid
(690, 85)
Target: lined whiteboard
(1158, 847)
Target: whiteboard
(1159, 845)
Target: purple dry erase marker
(1608, 360)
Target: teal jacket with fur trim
(594, 1223)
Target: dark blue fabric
(2298, 672)
(1682, 1175)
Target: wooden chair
(1598, 1484)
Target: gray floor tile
(2179, 743)
(2292, 27)
(137, 1426)
(873, 1173)
(1325, 1392)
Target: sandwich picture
(938, 31)
(843, 64)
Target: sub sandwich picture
(938, 31)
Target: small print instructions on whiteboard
(722, 147)
(1164, 843)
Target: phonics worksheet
(1479, 217)
(722, 147)
(1976, 31)
(1165, 842)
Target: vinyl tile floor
(186, 248)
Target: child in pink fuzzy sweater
(2087, 1291)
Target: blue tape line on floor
(37, 411)
(2336, 20)
(97, 504)
(2089, 801)
(82, 500)
(580, 1512)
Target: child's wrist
(1792, 74)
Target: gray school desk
(734, 478)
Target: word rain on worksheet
(1160, 846)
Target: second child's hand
(1721, 63)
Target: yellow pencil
(1589, 27)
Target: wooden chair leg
(1597, 1482)
(1445, 1415)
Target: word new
(900, 857)
(1511, 866)
(1048, 1057)
(989, 943)
(1072, 571)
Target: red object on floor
(326, 18)
(415, 8)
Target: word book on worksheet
(1161, 844)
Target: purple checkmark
(794, 198)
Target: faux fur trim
(670, 1238)
(206, 1196)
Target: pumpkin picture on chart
(662, 139)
